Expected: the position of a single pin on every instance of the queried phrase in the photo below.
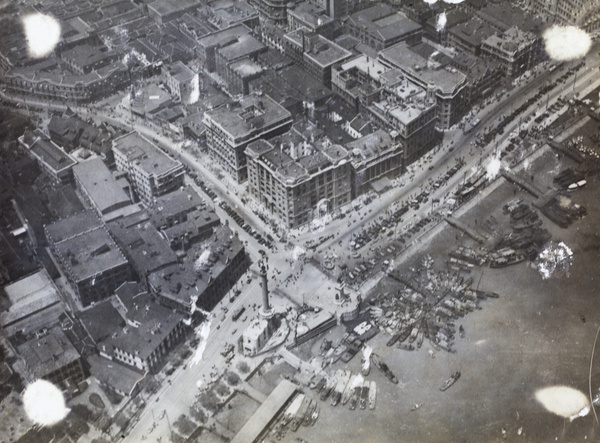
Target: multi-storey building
(583, 13)
(306, 15)
(51, 159)
(359, 80)
(85, 58)
(52, 357)
(183, 83)
(232, 54)
(298, 181)
(205, 279)
(272, 10)
(151, 171)
(45, 81)
(411, 113)
(398, 104)
(381, 26)
(151, 330)
(373, 157)
(229, 129)
(514, 49)
(469, 35)
(163, 11)
(98, 186)
(314, 52)
(91, 260)
(426, 67)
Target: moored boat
(450, 381)
(372, 395)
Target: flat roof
(180, 71)
(166, 7)
(233, 43)
(85, 54)
(384, 22)
(310, 14)
(100, 320)
(145, 154)
(266, 412)
(28, 296)
(100, 185)
(142, 242)
(447, 80)
(366, 64)
(250, 115)
(47, 354)
(90, 253)
(176, 203)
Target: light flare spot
(42, 33)
(563, 401)
(493, 168)
(441, 22)
(564, 43)
(44, 403)
(204, 334)
(554, 260)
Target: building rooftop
(511, 41)
(266, 412)
(148, 324)
(72, 226)
(295, 161)
(29, 296)
(227, 13)
(370, 146)
(310, 14)
(453, 18)
(233, 43)
(427, 71)
(90, 253)
(175, 204)
(180, 71)
(473, 31)
(145, 154)
(186, 283)
(101, 320)
(100, 185)
(367, 65)
(49, 353)
(85, 55)
(75, 131)
(384, 22)
(119, 377)
(164, 8)
(505, 15)
(143, 244)
(150, 100)
(404, 101)
(249, 116)
(48, 151)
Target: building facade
(151, 171)
(298, 183)
(229, 129)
